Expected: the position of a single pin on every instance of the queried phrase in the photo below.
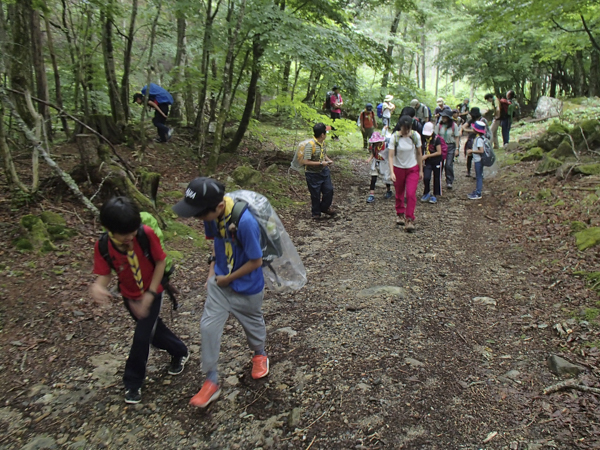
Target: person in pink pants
(406, 169)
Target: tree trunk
(226, 99)
(402, 53)
(57, 85)
(390, 49)
(417, 65)
(257, 52)
(296, 75)
(594, 82)
(257, 103)
(149, 76)
(20, 59)
(41, 81)
(313, 80)
(116, 107)
(285, 81)
(176, 110)
(553, 80)
(125, 99)
(423, 64)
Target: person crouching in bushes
(379, 166)
(140, 285)
(432, 164)
(477, 150)
(406, 169)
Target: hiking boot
(157, 139)
(433, 200)
(177, 364)
(449, 186)
(317, 218)
(260, 366)
(410, 226)
(169, 134)
(468, 175)
(133, 396)
(370, 198)
(388, 195)
(208, 394)
(330, 212)
(474, 196)
(400, 219)
(426, 197)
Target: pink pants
(406, 182)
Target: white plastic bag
(282, 267)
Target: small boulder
(548, 107)
(52, 218)
(587, 238)
(245, 176)
(533, 154)
(547, 165)
(564, 150)
(294, 417)
(561, 367)
(553, 137)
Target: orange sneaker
(208, 394)
(260, 366)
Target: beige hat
(414, 103)
(388, 98)
(440, 101)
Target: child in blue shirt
(235, 282)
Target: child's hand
(100, 294)
(222, 280)
(469, 151)
(141, 308)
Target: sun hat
(414, 103)
(446, 113)
(427, 129)
(335, 87)
(369, 106)
(202, 194)
(439, 101)
(388, 98)
(475, 112)
(376, 137)
(479, 127)
(408, 111)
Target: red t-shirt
(127, 284)
(368, 119)
(335, 98)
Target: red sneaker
(260, 366)
(208, 394)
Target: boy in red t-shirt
(140, 284)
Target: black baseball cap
(202, 194)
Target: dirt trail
(414, 362)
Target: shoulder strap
(103, 249)
(238, 209)
(144, 242)
(314, 149)
(413, 136)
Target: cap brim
(183, 209)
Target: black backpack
(327, 104)
(144, 243)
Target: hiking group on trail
(421, 146)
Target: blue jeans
(505, 124)
(479, 177)
(321, 190)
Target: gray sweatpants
(247, 309)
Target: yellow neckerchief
(427, 141)
(133, 261)
(322, 147)
(222, 227)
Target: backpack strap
(144, 242)
(239, 207)
(103, 249)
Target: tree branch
(63, 112)
(564, 29)
(587, 30)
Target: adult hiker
(422, 111)
(313, 154)
(406, 169)
(235, 282)
(441, 106)
(495, 109)
(368, 123)
(464, 109)
(159, 99)
(388, 109)
(335, 101)
(450, 132)
(509, 108)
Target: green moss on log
(52, 218)
(587, 238)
